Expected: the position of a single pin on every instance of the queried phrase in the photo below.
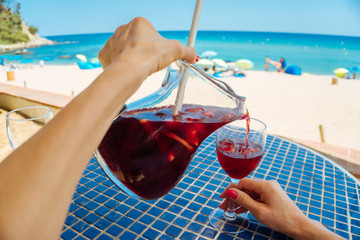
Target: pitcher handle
(220, 84)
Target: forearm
(38, 179)
(311, 229)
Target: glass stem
(230, 214)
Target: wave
(69, 42)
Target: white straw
(191, 43)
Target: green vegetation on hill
(33, 30)
(11, 24)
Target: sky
(333, 17)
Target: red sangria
(239, 146)
(238, 157)
(148, 150)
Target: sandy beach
(292, 106)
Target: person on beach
(280, 65)
(354, 75)
(266, 63)
(39, 178)
(41, 63)
(283, 64)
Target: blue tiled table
(323, 191)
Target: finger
(190, 55)
(224, 204)
(241, 210)
(243, 199)
(252, 194)
(223, 195)
(185, 53)
(253, 185)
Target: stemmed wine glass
(239, 147)
(22, 123)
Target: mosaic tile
(325, 193)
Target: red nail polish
(197, 58)
(231, 193)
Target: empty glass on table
(22, 123)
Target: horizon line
(320, 34)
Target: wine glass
(239, 147)
(22, 123)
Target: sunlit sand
(292, 106)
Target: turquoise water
(316, 54)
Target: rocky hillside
(15, 34)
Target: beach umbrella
(244, 64)
(81, 57)
(15, 58)
(28, 60)
(293, 70)
(205, 62)
(208, 54)
(340, 72)
(47, 59)
(356, 69)
(349, 69)
(220, 63)
(4, 56)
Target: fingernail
(231, 193)
(197, 58)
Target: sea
(314, 54)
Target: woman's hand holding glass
(270, 204)
(240, 146)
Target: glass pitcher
(147, 148)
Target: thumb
(242, 199)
